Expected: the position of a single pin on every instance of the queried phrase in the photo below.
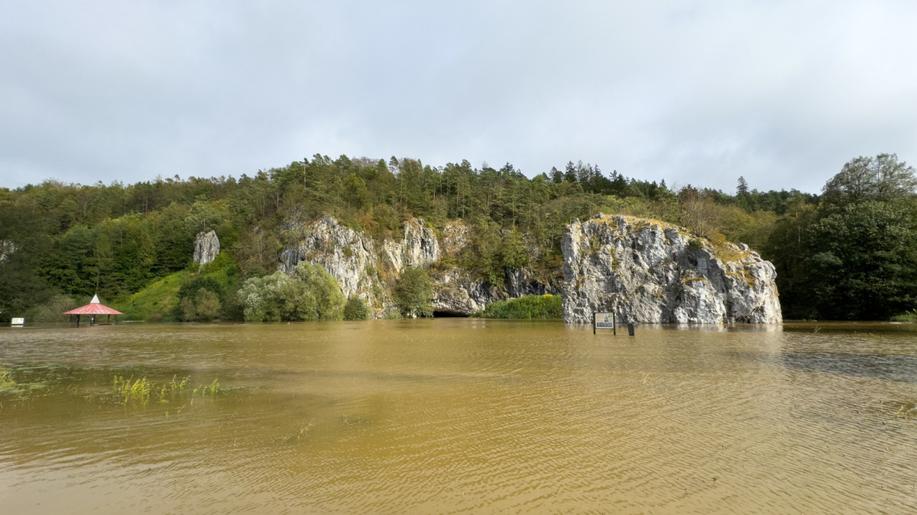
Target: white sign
(604, 321)
(17, 322)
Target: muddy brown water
(459, 415)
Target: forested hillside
(848, 253)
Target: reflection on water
(452, 415)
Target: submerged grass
(7, 383)
(906, 410)
(142, 390)
(13, 384)
(213, 389)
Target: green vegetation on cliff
(848, 253)
(530, 307)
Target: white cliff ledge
(652, 272)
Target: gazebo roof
(94, 308)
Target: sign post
(604, 321)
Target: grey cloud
(693, 92)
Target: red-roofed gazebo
(95, 307)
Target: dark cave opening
(449, 314)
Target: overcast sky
(693, 92)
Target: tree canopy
(76, 240)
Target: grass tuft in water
(132, 390)
(7, 383)
(907, 410)
(142, 390)
(21, 384)
(173, 389)
(213, 389)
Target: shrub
(310, 293)
(530, 307)
(203, 306)
(908, 316)
(414, 293)
(355, 309)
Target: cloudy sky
(782, 92)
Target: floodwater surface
(457, 415)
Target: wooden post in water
(630, 329)
(614, 324)
(593, 322)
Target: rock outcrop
(418, 247)
(206, 247)
(7, 249)
(651, 272)
(348, 255)
(369, 269)
(458, 292)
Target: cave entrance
(449, 314)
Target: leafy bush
(203, 306)
(209, 292)
(414, 293)
(356, 309)
(310, 293)
(530, 307)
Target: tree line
(849, 252)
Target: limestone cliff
(7, 249)
(651, 272)
(346, 254)
(206, 247)
(369, 269)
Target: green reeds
(132, 390)
(7, 383)
(142, 390)
(213, 389)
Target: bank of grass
(156, 302)
(530, 307)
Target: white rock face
(206, 247)
(418, 247)
(346, 254)
(457, 291)
(369, 270)
(651, 272)
(7, 249)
